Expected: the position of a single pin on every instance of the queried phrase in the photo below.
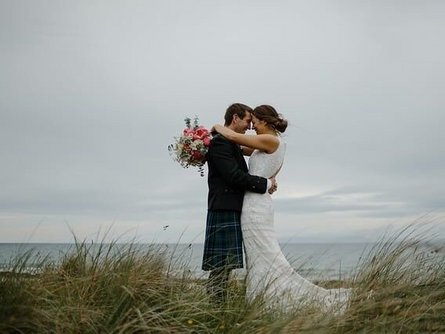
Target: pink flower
(188, 132)
(206, 141)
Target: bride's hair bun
(281, 124)
(268, 114)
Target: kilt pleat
(223, 240)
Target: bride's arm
(263, 142)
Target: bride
(269, 274)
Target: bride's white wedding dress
(269, 274)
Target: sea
(315, 261)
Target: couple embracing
(240, 213)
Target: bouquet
(190, 148)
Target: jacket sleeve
(228, 167)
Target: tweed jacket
(228, 176)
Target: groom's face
(243, 124)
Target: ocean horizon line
(170, 243)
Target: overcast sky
(92, 93)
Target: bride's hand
(226, 132)
(274, 186)
(216, 128)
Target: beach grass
(114, 288)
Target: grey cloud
(379, 201)
(92, 93)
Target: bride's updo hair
(269, 115)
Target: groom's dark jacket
(228, 176)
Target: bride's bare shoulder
(270, 143)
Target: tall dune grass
(111, 288)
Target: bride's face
(258, 125)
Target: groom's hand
(274, 186)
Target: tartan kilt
(223, 240)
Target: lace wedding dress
(269, 274)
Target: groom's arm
(227, 166)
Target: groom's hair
(236, 109)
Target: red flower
(197, 155)
(200, 133)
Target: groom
(228, 179)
